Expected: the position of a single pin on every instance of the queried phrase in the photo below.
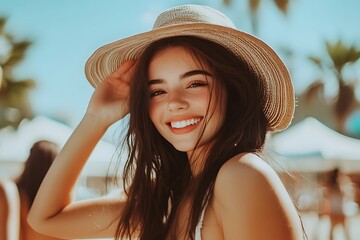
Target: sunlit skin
(180, 99)
(248, 200)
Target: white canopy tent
(319, 145)
(15, 145)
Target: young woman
(201, 97)
(17, 196)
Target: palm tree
(343, 104)
(14, 99)
(254, 5)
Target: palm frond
(17, 54)
(2, 24)
(15, 93)
(254, 5)
(227, 2)
(282, 5)
(317, 61)
(340, 54)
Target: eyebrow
(195, 72)
(185, 75)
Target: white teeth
(185, 123)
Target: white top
(200, 223)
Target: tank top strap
(200, 222)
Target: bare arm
(9, 211)
(252, 203)
(53, 212)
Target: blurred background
(44, 93)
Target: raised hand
(53, 206)
(109, 102)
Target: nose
(177, 102)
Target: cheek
(202, 100)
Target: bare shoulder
(250, 170)
(246, 172)
(246, 165)
(249, 195)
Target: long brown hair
(42, 155)
(156, 175)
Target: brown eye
(197, 84)
(156, 93)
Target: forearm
(55, 192)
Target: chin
(184, 147)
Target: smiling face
(182, 106)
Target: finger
(121, 89)
(123, 69)
(117, 84)
(121, 74)
(127, 76)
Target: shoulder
(249, 193)
(243, 174)
(247, 170)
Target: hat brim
(261, 59)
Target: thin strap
(200, 223)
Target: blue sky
(66, 32)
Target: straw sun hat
(207, 23)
